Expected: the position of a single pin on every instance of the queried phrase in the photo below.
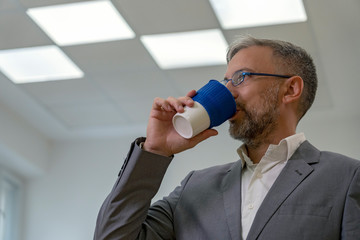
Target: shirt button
(259, 175)
(251, 206)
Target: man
(281, 188)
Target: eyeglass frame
(243, 74)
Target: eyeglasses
(239, 77)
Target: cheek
(250, 101)
(253, 96)
(243, 94)
(255, 106)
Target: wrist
(145, 146)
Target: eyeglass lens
(238, 78)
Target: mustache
(240, 106)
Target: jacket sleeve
(351, 218)
(124, 211)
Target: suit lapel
(231, 186)
(295, 171)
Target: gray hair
(289, 60)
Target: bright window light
(83, 22)
(187, 49)
(252, 13)
(37, 64)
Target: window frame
(11, 191)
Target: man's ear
(293, 89)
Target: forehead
(254, 58)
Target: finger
(172, 104)
(157, 103)
(203, 136)
(208, 133)
(177, 103)
(187, 101)
(161, 104)
(191, 93)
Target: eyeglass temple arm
(265, 74)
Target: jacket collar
(296, 170)
(231, 186)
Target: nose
(232, 89)
(228, 84)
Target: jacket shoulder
(337, 158)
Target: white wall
(22, 148)
(63, 202)
(335, 133)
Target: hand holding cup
(161, 137)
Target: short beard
(257, 124)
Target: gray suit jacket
(316, 196)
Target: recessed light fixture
(251, 13)
(83, 22)
(37, 64)
(187, 49)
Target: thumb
(203, 136)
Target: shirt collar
(281, 152)
(245, 160)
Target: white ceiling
(121, 79)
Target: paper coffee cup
(214, 104)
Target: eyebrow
(245, 70)
(240, 70)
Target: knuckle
(170, 98)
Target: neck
(255, 154)
(257, 149)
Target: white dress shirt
(257, 179)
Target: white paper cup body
(192, 121)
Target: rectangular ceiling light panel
(251, 13)
(187, 49)
(37, 64)
(83, 22)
